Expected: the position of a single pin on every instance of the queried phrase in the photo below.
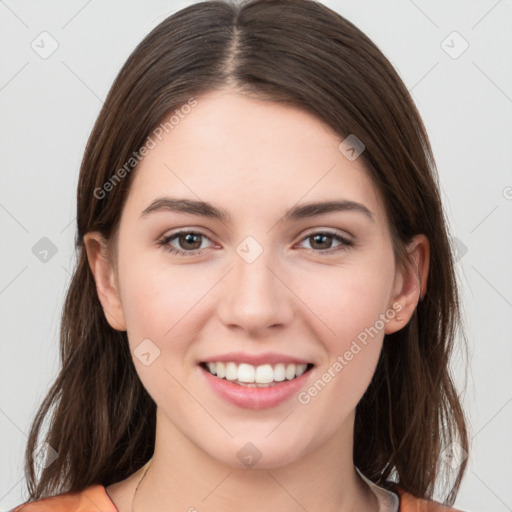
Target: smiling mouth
(262, 376)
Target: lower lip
(255, 398)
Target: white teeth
(264, 374)
(231, 371)
(221, 370)
(290, 371)
(301, 368)
(247, 374)
(279, 372)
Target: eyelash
(345, 243)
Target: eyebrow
(302, 211)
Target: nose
(255, 296)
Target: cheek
(159, 301)
(348, 300)
(162, 305)
(352, 354)
(351, 302)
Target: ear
(105, 278)
(410, 284)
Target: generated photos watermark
(165, 127)
(304, 397)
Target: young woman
(264, 302)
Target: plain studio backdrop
(58, 60)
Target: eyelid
(345, 242)
(331, 231)
(166, 239)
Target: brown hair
(301, 53)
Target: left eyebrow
(321, 208)
(302, 211)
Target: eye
(188, 239)
(190, 242)
(322, 241)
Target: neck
(183, 477)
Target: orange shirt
(96, 499)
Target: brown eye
(323, 241)
(189, 242)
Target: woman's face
(261, 290)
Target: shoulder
(91, 499)
(410, 503)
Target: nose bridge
(254, 297)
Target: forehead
(250, 155)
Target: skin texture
(256, 160)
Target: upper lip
(256, 359)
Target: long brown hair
(102, 420)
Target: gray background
(48, 108)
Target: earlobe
(411, 283)
(104, 277)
